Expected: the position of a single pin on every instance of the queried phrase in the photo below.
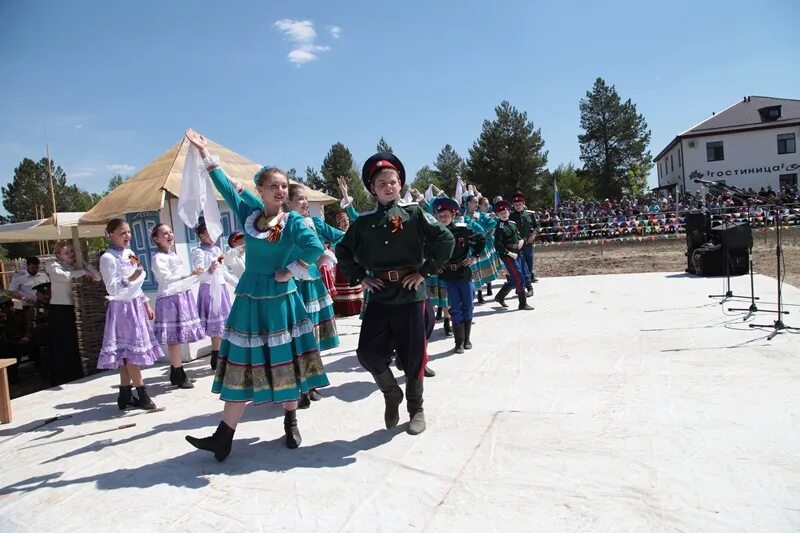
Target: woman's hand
(283, 275)
(136, 273)
(150, 314)
(342, 186)
(198, 141)
(197, 271)
(214, 266)
(372, 284)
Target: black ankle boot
(214, 357)
(458, 330)
(219, 443)
(414, 402)
(293, 438)
(125, 398)
(143, 399)
(392, 397)
(438, 313)
(172, 380)
(447, 332)
(182, 381)
(304, 402)
(428, 372)
(488, 289)
(523, 302)
(480, 298)
(467, 331)
(501, 295)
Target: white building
(751, 144)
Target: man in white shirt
(23, 283)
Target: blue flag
(556, 197)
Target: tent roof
(145, 190)
(45, 230)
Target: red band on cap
(380, 165)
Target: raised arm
(327, 232)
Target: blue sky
(115, 84)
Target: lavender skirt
(176, 319)
(128, 336)
(213, 323)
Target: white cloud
(119, 168)
(335, 31)
(303, 37)
(83, 172)
(78, 126)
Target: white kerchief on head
(197, 196)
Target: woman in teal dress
(485, 270)
(268, 351)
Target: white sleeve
(228, 275)
(15, 283)
(117, 285)
(198, 259)
(56, 271)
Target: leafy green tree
(383, 146)
(614, 145)
(115, 181)
(449, 166)
(313, 179)
(573, 185)
(426, 176)
(508, 154)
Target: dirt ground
(578, 259)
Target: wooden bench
(5, 392)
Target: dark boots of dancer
(501, 295)
(214, 357)
(458, 331)
(293, 438)
(428, 372)
(305, 401)
(438, 313)
(529, 290)
(314, 395)
(523, 302)
(143, 399)
(178, 377)
(392, 396)
(414, 403)
(447, 327)
(488, 289)
(125, 398)
(467, 331)
(480, 298)
(219, 443)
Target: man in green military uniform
(527, 226)
(385, 250)
(509, 243)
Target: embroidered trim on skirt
(319, 307)
(128, 336)
(177, 321)
(348, 300)
(213, 323)
(437, 291)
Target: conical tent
(147, 189)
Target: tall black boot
(293, 438)
(182, 381)
(467, 331)
(428, 372)
(458, 331)
(523, 302)
(501, 295)
(414, 402)
(447, 327)
(392, 396)
(143, 399)
(214, 357)
(219, 443)
(438, 313)
(488, 289)
(480, 298)
(125, 398)
(398, 363)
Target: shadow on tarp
(191, 470)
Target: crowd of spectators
(656, 214)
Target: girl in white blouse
(176, 322)
(213, 300)
(128, 339)
(64, 362)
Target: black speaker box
(733, 235)
(697, 228)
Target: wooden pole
(76, 244)
(52, 187)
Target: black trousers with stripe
(402, 328)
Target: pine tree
(449, 166)
(426, 176)
(508, 154)
(614, 143)
(339, 162)
(383, 146)
(115, 181)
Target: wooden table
(5, 392)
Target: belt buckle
(453, 266)
(394, 275)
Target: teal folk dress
(436, 288)
(268, 351)
(487, 268)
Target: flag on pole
(556, 197)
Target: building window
(714, 151)
(680, 156)
(786, 143)
(671, 163)
(788, 180)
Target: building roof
(742, 116)
(48, 229)
(145, 190)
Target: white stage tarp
(622, 403)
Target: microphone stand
(725, 253)
(778, 326)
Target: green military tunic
(506, 238)
(526, 222)
(391, 237)
(468, 242)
